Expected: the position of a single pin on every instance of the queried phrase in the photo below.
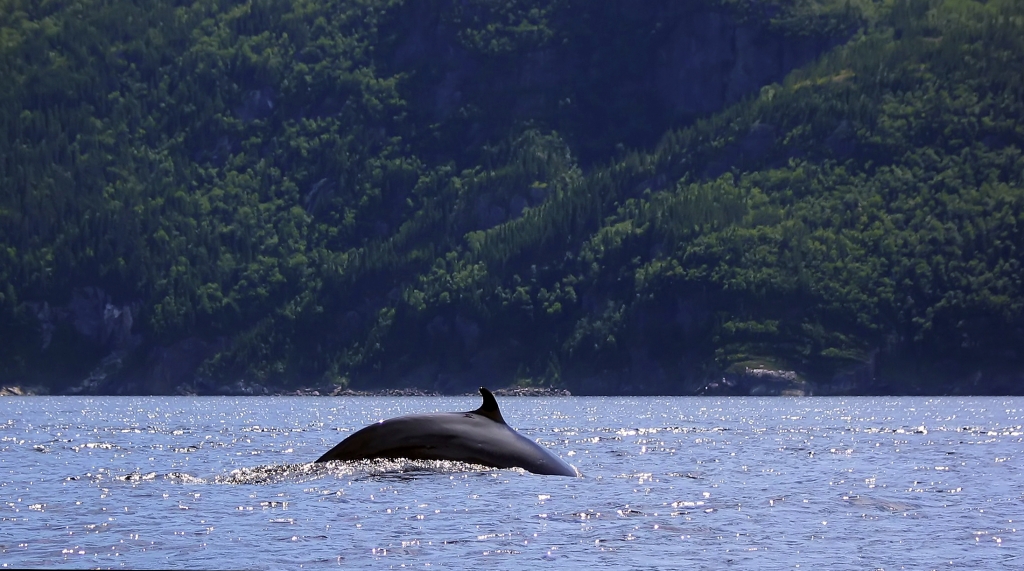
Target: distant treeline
(382, 193)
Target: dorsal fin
(489, 408)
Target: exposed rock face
(710, 60)
(98, 380)
(91, 325)
(168, 368)
(672, 62)
(862, 379)
(843, 141)
(256, 104)
(47, 317)
(782, 383)
(996, 383)
(318, 195)
(93, 314)
(106, 325)
(16, 391)
(759, 381)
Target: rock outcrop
(97, 319)
(673, 61)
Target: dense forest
(613, 197)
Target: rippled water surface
(694, 483)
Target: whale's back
(459, 436)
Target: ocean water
(666, 483)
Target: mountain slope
(381, 193)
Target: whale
(478, 436)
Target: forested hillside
(614, 197)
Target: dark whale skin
(477, 437)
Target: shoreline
(20, 391)
(414, 392)
(505, 392)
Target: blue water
(683, 483)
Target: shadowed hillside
(665, 197)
